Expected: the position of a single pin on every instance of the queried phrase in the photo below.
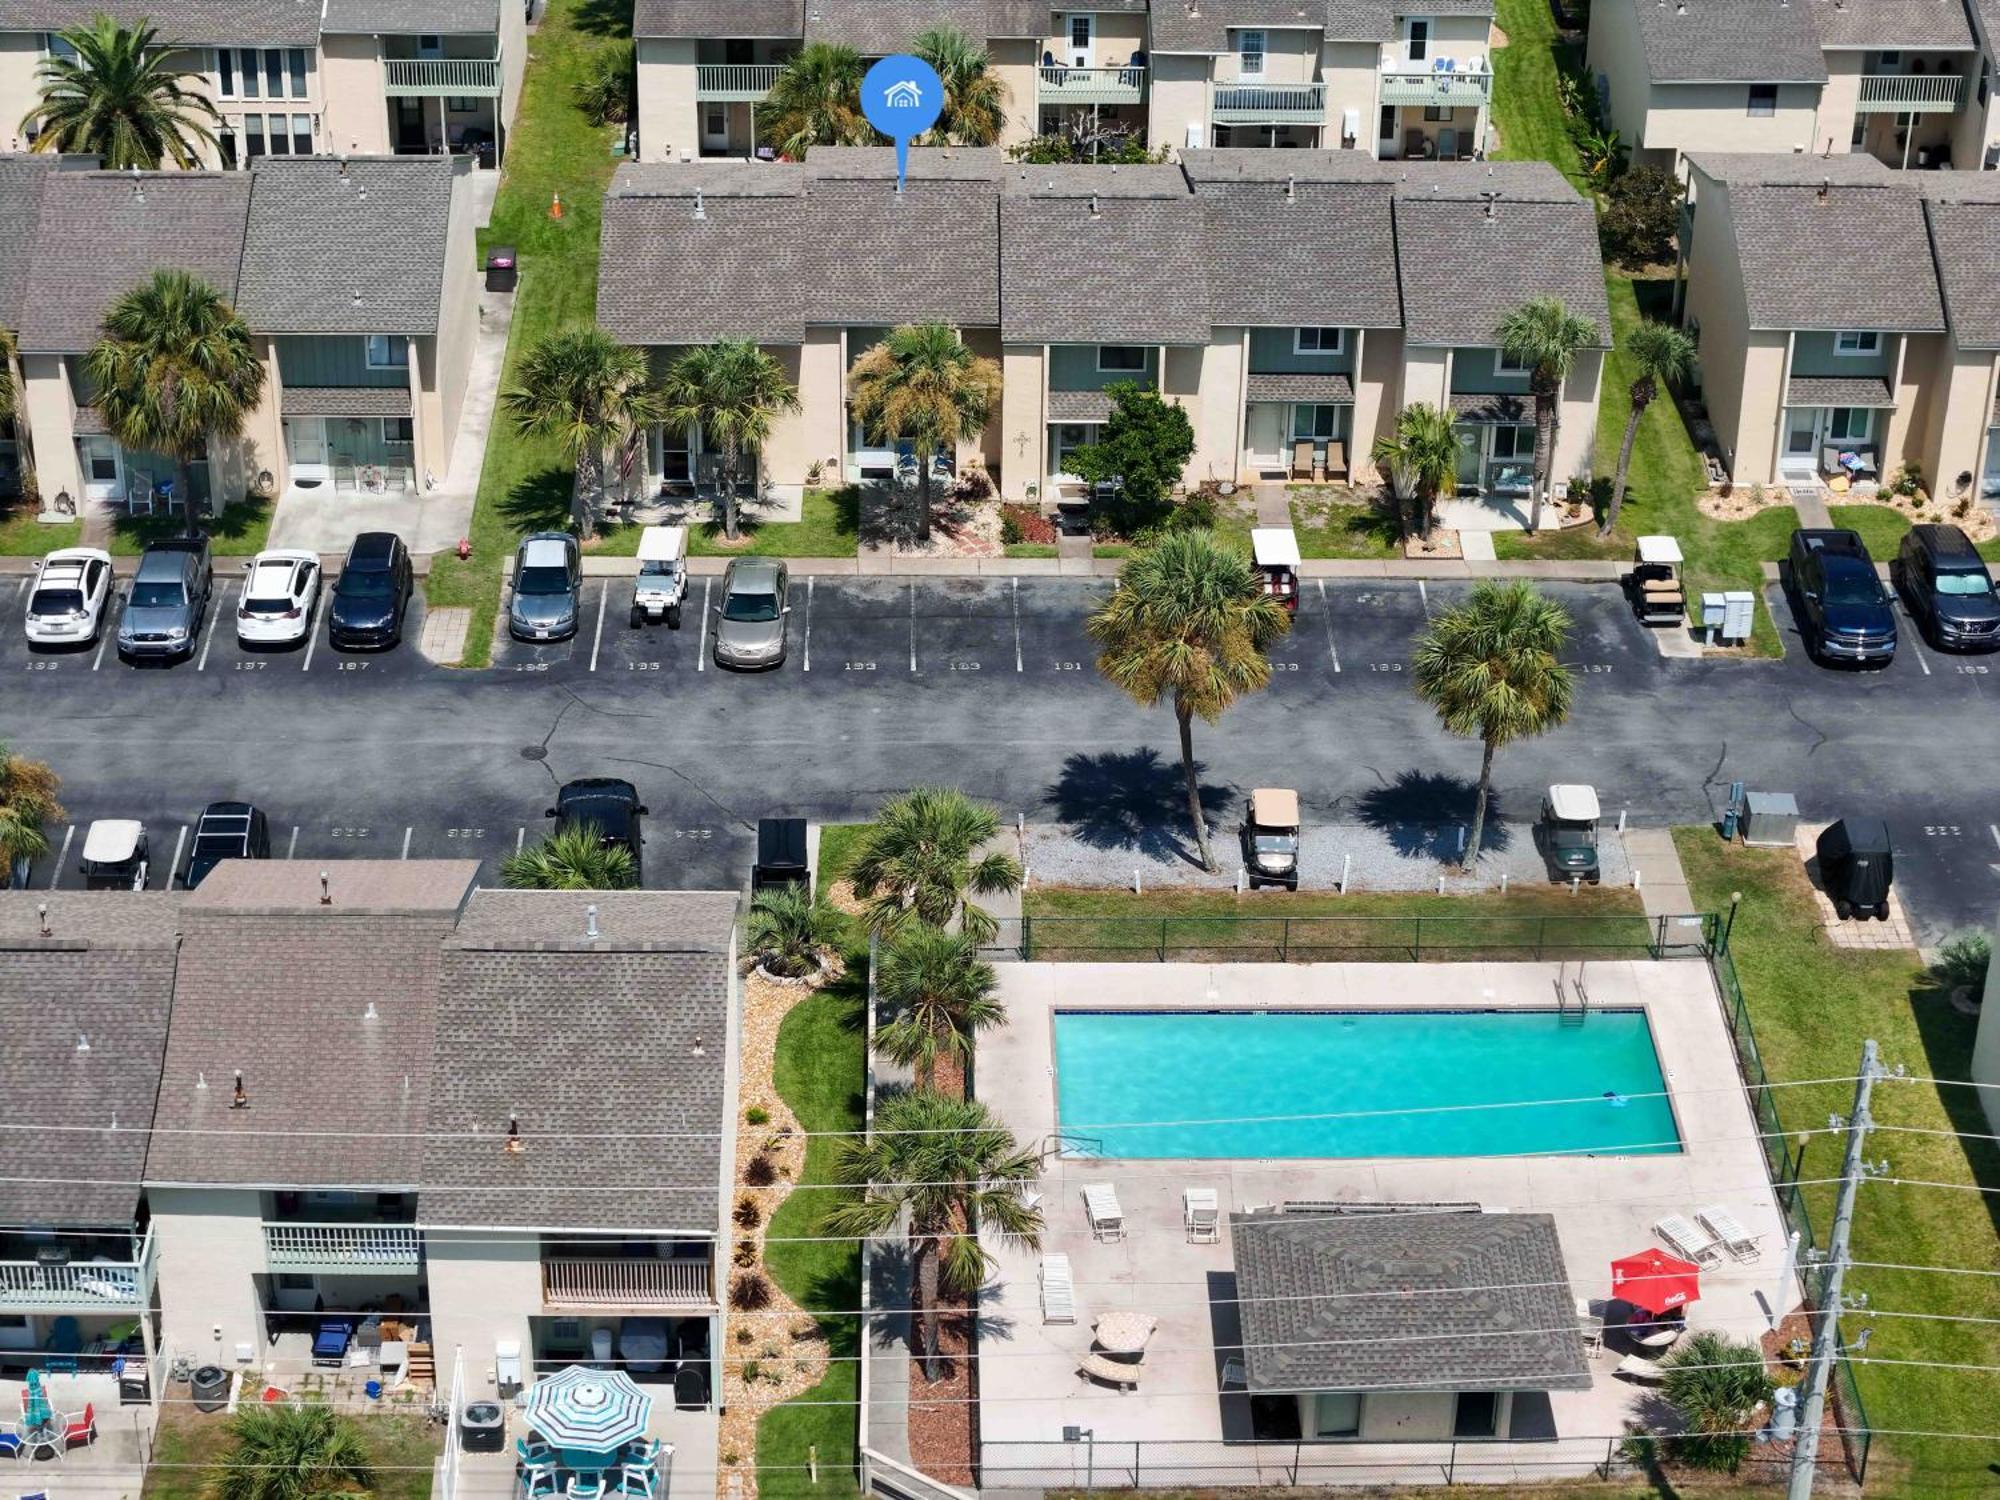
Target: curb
(1545, 570)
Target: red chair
(80, 1427)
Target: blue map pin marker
(902, 97)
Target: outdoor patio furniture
(1591, 1326)
(80, 1427)
(585, 1485)
(1336, 459)
(639, 1481)
(330, 1340)
(10, 1443)
(1201, 1212)
(1100, 1205)
(1235, 1374)
(1657, 1335)
(1124, 1332)
(690, 1386)
(1058, 1290)
(533, 1452)
(1724, 1225)
(1688, 1242)
(543, 1483)
(1302, 458)
(1121, 1373)
(1640, 1371)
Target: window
(1514, 442)
(1418, 45)
(1850, 424)
(1857, 342)
(297, 58)
(1337, 1414)
(1763, 100)
(399, 432)
(388, 351)
(1889, 59)
(1505, 364)
(280, 142)
(1250, 54)
(225, 73)
(717, 123)
(225, 142)
(1316, 340)
(273, 73)
(55, 46)
(1437, 114)
(1128, 359)
(302, 135)
(1319, 422)
(253, 137)
(1079, 31)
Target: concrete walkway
(1663, 888)
(1476, 546)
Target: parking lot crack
(1818, 734)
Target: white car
(280, 594)
(72, 589)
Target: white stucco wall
(483, 1289)
(211, 1249)
(458, 325)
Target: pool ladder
(1572, 999)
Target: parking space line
(520, 838)
(312, 632)
(1327, 613)
(596, 641)
(292, 849)
(1994, 829)
(913, 624)
(1017, 624)
(701, 661)
(807, 664)
(1425, 595)
(406, 844)
(208, 634)
(106, 632)
(22, 587)
(179, 840)
(62, 855)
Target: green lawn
(1330, 528)
(21, 535)
(1525, 109)
(1812, 1005)
(403, 1449)
(525, 485)
(829, 527)
(1032, 549)
(242, 530)
(1881, 526)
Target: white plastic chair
(1201, 1213)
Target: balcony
(589, 1281)
(1438, 90)
(1910, 93)
(437, 77)
(343, 1249)
(1267, 103)
(1065, 86)
(735, 83)
(84, 1286)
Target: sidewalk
(888, 566)
(1663, 887)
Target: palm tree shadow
(539, 502)
(1420, 813)
(890, 513)
(1948, 1041)
(611, 18)
(1132, 800)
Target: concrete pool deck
(1604, 1207)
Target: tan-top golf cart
(1271, 837)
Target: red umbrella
(1655, 1282)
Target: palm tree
(27, 806)
(788, 930)
(725, 394)
(956, 1170)
(589, 392)
(1662, 354)
(175, 369)
(293, 1453)
(577, 858)
(1422, 459)
(975, 97)
(116, 99)
(816, 101)
(923, 386)
(942, 995)
(1492, 669)
(1188, 621)
(13, 405)
(1714, 1385)
(917, 862)
(1545, 336)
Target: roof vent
(371, 1014)
(513, 1146)
(82, 1042)
(1291, 187)
(590, 921)
(201, 1083)
(697, 1050)
(1093, 207)
(1491, 198)
(1680, 7)
(239, 1099)
(42, 910)
(700, 208)
(357, 296)
(325, 890)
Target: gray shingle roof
(236, 22)
(354, 247)
(1967, 239)
(1777, 168)
(683, 921)
(1841, 257)
(1729, 41)
(1323, 254)
(1071, 264)
(878, 256)
(1333, 390)
(1838, 390)
(1079, 406)
(712, 20)
(877, 27)
(1308, 1324)
(1933, 25)
(21, 179)
(347, 401)
(414, 17)
(1179, 27)
(1448, 249)
(1361, 20)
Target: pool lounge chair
(330, 1341)
(1100, 1205)
(1724, 1225)
(1201, 1212)
(1688, 1242)
(1640, 1371)
(1058, 1290)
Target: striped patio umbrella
(594, 1411)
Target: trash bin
(500, 270)
(210, 1386)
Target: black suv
(1947, 589)
(374, 587)
(606, 803)
(227, 830)
(1842, 609)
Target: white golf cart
(662, 582)
(114, 855)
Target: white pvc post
(1242, 880)
(1503, 882)
(1346, 864)
(1574, 882)
(1621, 820)
(1461, 841)
(1440, 885)
(1635, 877)
(1138, 886)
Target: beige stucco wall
(1976, 126)
(798, 438)
(20, 55)
(1179, 99)
(1216, 410)
(1716, 117)
(1023, 429)
(458, 324)
(984, 342)
(1834, 128)
(1017, 65)
(1615, 55)
(483, 1289)
(513, 58)
(669, 122)
(1577, 417)
(1290, 56)
(1352, 76)
(1714, 303)
(51, 424)
(211, 1249)
(1182, 371)
(1986, 1049)
(357, 109)
(1376, 395)
(1426, 376)
(1951, 393)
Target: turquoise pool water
(1262, 1083)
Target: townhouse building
(355, 276)
(300, 77)
(1817, 342)
(1908, 82)
(1388, 78)
(1283, 298)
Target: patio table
(43, 1437)
(1124, 1332)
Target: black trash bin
(1856, 867)
(500, 269)
(211, 1388)
(781, 854)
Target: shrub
(604, 93)
(788, 929)
(743, 1334)
(1962, 963)
(759, 1171)
(745, 1254)
(752, 1372)
(749, 1292)
(1025, 523)
(756, 1114)
(748, 1215)
(1642, 212)
(1142, 450)
(974, 484)
(1714, 1385)
(1907, 480)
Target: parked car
(227, 830)
(1842, 609)
(280, 594)
(608, 804)
(1945, 586)
(548, 582)
(371, 593)
(67, 604)
(171, 589)
(750, 620)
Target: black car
(1947, 589)
(606, 803)
(374, 588)
(1842, 609)
(227, 830)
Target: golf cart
(1856, 867)
(1275, 550)
(662, 583)
(1654, 585)
(1568, 833)
(1271, 837)
(114, 855)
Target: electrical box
(1770, 819)
(1714, 608)
(1739, 615)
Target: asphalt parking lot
(985, 683)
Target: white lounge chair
(1235, 1374)
(1201, 1212)
(1724, 1225)
(1640, 1371)
(1058, 1290)
(1100, 1206)
(1688, 1242)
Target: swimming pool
(1245, 1083)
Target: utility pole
(1825, 1338)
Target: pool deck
(1604, 1207)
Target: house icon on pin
(904, 94)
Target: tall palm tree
(589, 392)
(117, 99)
(942, 995)
(1188, 621)
(1662, 354)
(917, 862)
(175, 369)
(577, 858)
(816, 101)
(13, 408)
(1545, 336)
(1714, 1385)
(1421, 456)
(727, 394)
(788, 930)
(28, 805)
(956, 1170)
(293, 1453)
(1492, 669)
(923, 386)
(975, 97)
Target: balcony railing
(1910, 93)
(79, 1285)
(337, 1248)
(592, 1282)
(735, 83)
(1437, 90)
(433, 77)
(1268, 103)
(1093, 85)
